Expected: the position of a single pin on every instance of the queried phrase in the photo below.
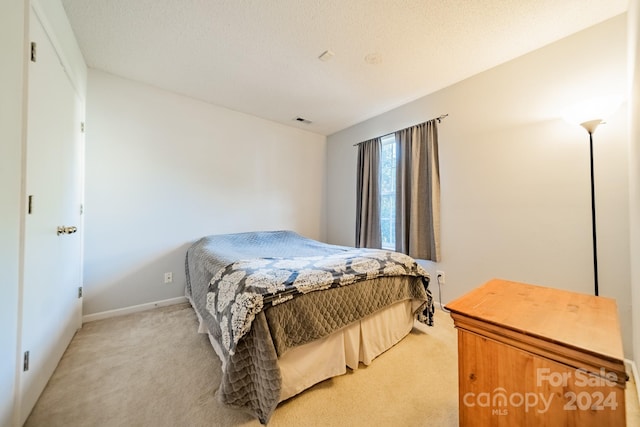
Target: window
(388, 191)
(398, 192)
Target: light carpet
(152, 369)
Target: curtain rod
(439, 119)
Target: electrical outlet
(440, 277)
(168, 277)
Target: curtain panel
(418, 192)
(368, 233)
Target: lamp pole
(593, 218)
(591, 126)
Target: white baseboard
(132, 309)
(632, 368)
(439, 306)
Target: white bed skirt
(362, 341)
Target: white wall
(514, 176)
(163, 170)
(634, 166)
(12, 43)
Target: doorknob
(66, 230)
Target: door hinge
(33, 51)
(80, 292)
(30, 205)
(82, 127)
(81, 208)
(25, 362)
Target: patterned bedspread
(233, 279)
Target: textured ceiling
(260, 57)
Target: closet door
(51, 310)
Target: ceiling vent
(302, 120)
(326, 55)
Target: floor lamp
(589, 115)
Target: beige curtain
(418, 192)
(368, 233)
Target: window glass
(388, 191)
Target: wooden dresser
(535, 356)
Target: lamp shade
(590, 113)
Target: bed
(284, 312)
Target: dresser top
(581, 321)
